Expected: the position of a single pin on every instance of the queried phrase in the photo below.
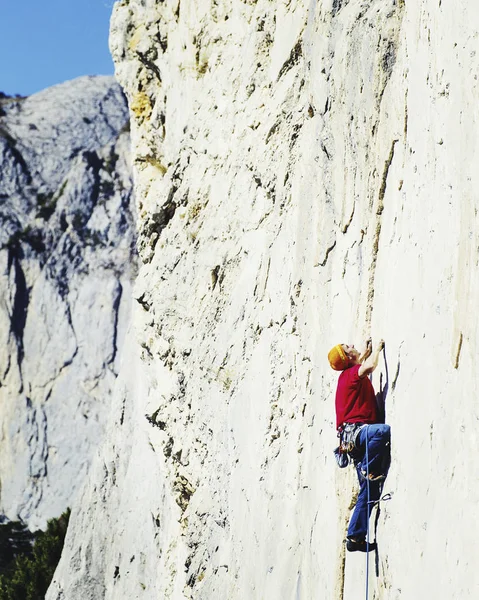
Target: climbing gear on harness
(348, 434)
(373, 476)
(341, 459)
(385, 498)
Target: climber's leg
(358, 524)
(378, 437)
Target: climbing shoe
(353, 545)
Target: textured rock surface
(66, 265)
(306, 175)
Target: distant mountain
(67, 260)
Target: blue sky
(44, 42)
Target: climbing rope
(367, 508)
(384, 498)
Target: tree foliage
(28, 561)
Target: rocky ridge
(67, 259)
(305, 175)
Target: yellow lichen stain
(225, 376)
(141, 106)
(151, 161)
(354, 500)
(154, 162)
(457, 352)
(192, 235)
(202, 67)
(194, 210)
(201, 576)
(136, 37)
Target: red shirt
(355, 398)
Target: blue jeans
(378, 438)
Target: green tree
(15, 540)
(29, 574)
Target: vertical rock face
(66, 265)
(305, 175)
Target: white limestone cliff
(66, 266)
(305, 175)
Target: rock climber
(357, 422)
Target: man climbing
(361, 435)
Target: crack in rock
(377, 232)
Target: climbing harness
(348, 434)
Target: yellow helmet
(337, 358)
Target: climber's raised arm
(366, 353)
(371, 363)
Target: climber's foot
(354, 545)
